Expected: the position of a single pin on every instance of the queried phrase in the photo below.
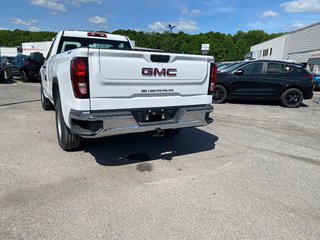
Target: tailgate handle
(160, 58)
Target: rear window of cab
(278, 68)
(69, 43)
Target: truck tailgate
(119, 76)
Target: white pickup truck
(99, 86)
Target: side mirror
(239, 72)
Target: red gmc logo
(164, 72)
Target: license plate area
(154, 114)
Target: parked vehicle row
(265, 80)
(249, 80)
(25, 67)
(6, 59)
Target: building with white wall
(302, 43)
(272, 49)
(8, 51)
(30, 47)
(295, 46)
(27, 48)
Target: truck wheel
(66, 139)
(220, 96)
(45, 102)
(291, 98)
(170, 133)
(23, 76)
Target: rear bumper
(308, 93)
(107, 123)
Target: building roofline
(286, 34)
(283, 35)
(301, 29)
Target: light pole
(171, 27)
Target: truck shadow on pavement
(261, 102)
(136, 148)
(8, 81)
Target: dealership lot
(252, 174)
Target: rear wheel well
(22, 70)
(220, 95)
(55, 90)
(293, 86)
(224, 85)
(292, 97)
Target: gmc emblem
(164, 72)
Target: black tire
(220, 95)
(66, 139)
(2, 78)
(170, 133)
(45, 102)
(8, 74)
(23, 76)
(292, 98)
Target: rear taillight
(310, 76)
(80, 77)
(213, 78)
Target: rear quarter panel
(59, 72)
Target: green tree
(224, 47)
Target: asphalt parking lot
(252, 174)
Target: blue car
(316, 80)
(313, 66)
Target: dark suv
(25, 67)
(265, 80)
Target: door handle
(285, 77)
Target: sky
(190, 16)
